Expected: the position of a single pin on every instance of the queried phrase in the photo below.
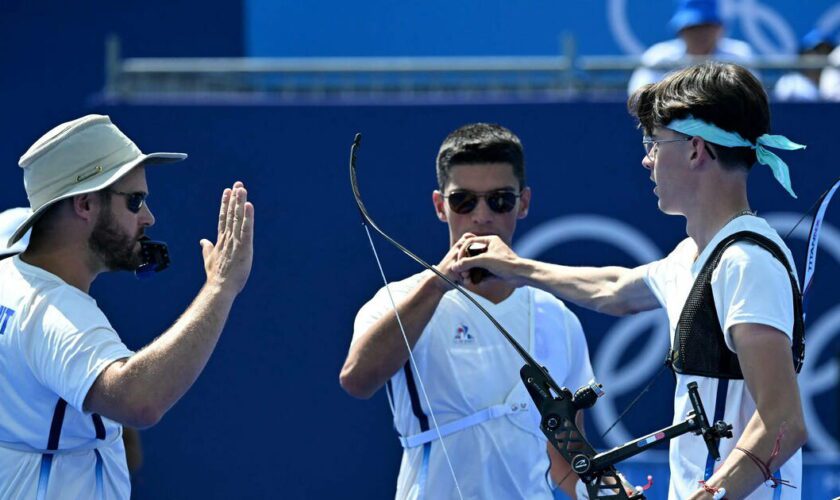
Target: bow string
(557, 406)
(368, 223)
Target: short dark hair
(478, 143)
(726, 95)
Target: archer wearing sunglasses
(468, 369)
(69, 382)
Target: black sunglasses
(133, 201)
(500, 201)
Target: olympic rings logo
(626, 371)
(761, 25)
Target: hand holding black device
(477, 274)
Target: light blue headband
(716, 135)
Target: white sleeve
(653, 271)
(640, 77)
(751, 286)
(744, 52)
(668, 51)
(75, 344)
(830, 84)
(830, 78)
(380, 305)
(795, 87)
(659, 276)
(370, 313)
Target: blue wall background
(499, 27)
(267, 418)
(52, 53)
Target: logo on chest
(5, 315)
(463, 335)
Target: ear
(438, 200)
(524, 202)
(86, 206)
(696, 153)
(699, 155)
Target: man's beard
(113, 247)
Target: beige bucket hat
(77, 157)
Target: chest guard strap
(699, 346)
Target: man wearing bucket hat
(699, 27)
(730, 288)
(804, 85)
(70, 382)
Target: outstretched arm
(137, 391)
(611, 290)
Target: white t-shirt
(468, 366)
(749, 286)
(795, 86)
(673, 51)
(830, 78)
(54, 343)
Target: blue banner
(498, 27)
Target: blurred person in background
(804, 85)
(489, 425)
(700, 32)
(830, 77)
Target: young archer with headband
(730, 288)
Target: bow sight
(596, 470)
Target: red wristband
(717, 493)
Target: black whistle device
(155, 258)
(477, 274)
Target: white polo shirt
(54, 343)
